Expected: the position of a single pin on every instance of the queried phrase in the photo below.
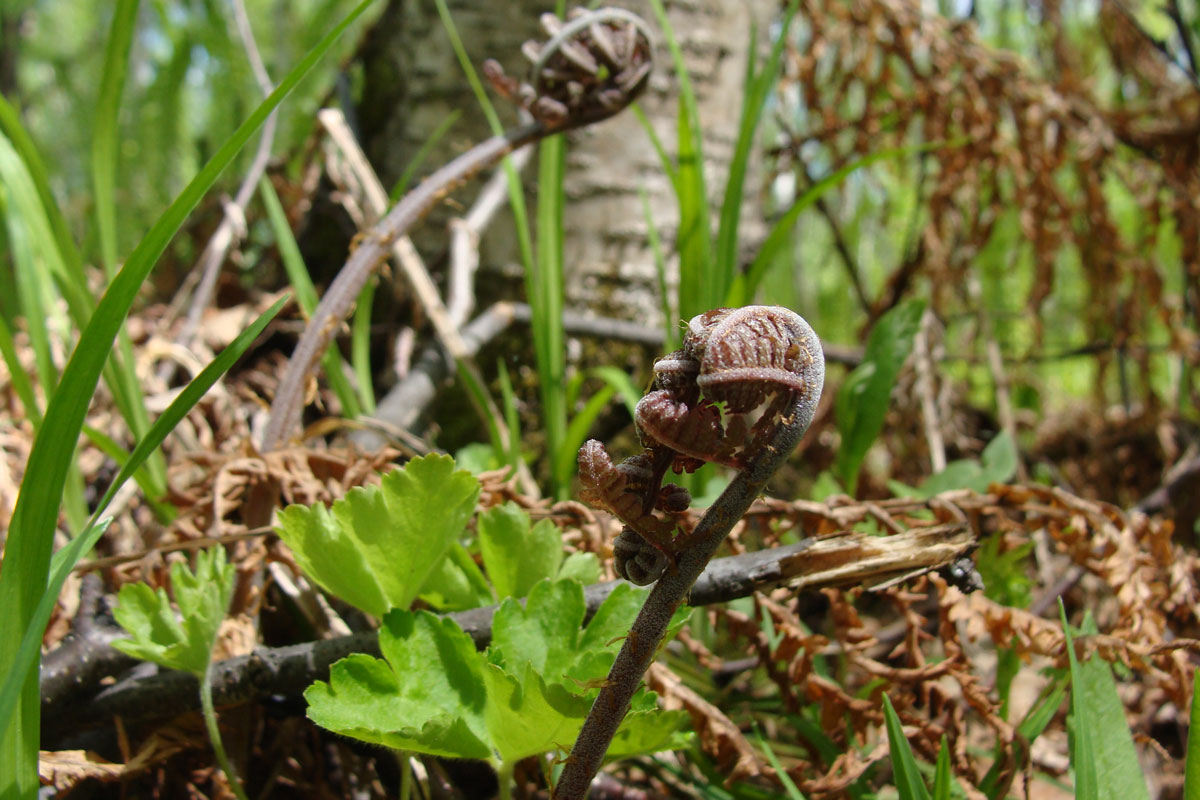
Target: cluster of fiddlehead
(718, 399)
(591, 67)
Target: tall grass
(25, 570)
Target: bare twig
(418, 277)
(465, 233)
(233, 223)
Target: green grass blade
(1102, 729)
(619, 380)
(105, 133)
(33, 295)
(468, 69)
(306, 294)
(511, 418)
(20, 378)
(479, 395)
(1031, 726)
(744, 286)
(31, 642)
(1191, 765)
(754, 99)
(516, 201)
(697, 281)
(668, 165)
(908, 776)
(942, 777)
(545, 291)
(789, 786)
(151, 492)
(1083, 754)
(64, 560)
(31, 531)
(10, 126)
(38, 253)
(188, 397)
(671, 333)
(360, 347)
(414, 164)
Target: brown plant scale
(759, 359)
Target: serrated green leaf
(862, 402)
(650, 732)
(330, 555)
(544, 632)
(376, 547)
(158, 635)
(526, 715)
(614, 617)
(582, 567)
(457, 583)
(516, 555)
(428, 695)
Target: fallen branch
(837, 560)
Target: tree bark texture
(412, 82)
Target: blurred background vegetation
(1022, 179)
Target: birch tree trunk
(412, 82)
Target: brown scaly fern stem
(592, 66)
(759, 360)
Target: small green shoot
(863, 399)
(183, 642)
(789, 786)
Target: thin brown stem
(672, 588)
(374, 247)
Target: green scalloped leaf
(515, 554)
(544, 632)
(376, 547)
(527, 716)
(426, 695)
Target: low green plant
(1102, 754)
(381, 547)
(184, 642)
(863, 399)
(996, 464)
(527, 695)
